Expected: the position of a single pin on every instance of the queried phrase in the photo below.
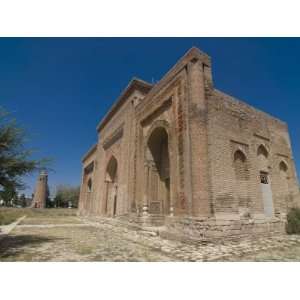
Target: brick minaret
(41, 191)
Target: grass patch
(9, 215)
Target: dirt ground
(57, 236)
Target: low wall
(194, 229)
(190, 229)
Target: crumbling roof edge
(89, 152)
(134, 83)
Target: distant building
(41, 191)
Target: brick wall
(218, 148)
(235, 126)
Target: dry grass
(9, 215)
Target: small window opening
(264, 178)
(89, 186)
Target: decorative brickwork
(189, 156)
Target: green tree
(15, 159)
(8, 195)
(16, 200)
(66, 195)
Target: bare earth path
(69, 238)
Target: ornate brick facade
(184, 154)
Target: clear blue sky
(59, 89)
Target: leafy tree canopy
(15, 159)
(66, 194)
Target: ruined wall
(235, 126)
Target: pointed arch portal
(111, 180)
(158, 181)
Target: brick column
(145, 208)
(197, 122)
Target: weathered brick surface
(41, 192)
(218, 151)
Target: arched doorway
(242, 177)
(89, 190)
(89, 185)
(111, 187)
(158, 161)
(240, 166)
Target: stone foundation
(200, 230)
(197, 229)
(188, 229)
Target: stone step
(130, 224)
(151, 220)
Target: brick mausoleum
(184, 155)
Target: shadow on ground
(12, 245)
